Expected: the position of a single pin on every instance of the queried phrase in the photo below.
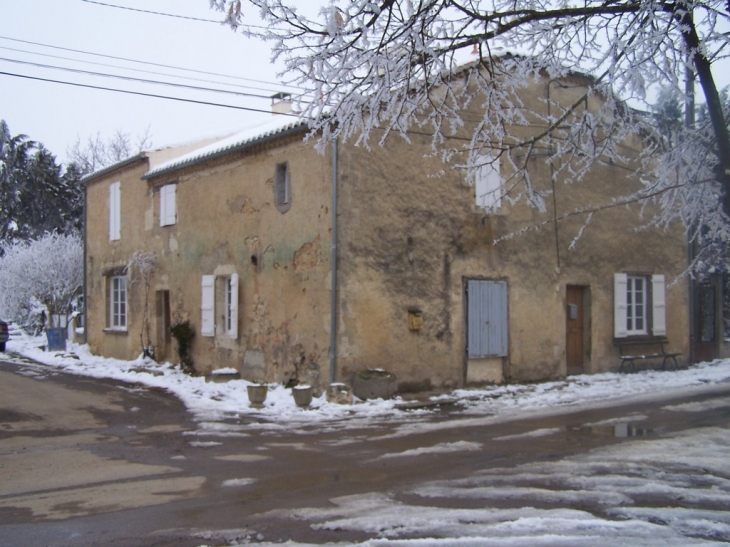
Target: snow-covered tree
(377, 68)
(40, 277)
(36, 197)
(14, 152)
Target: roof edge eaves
(86, 179)
(299, 127)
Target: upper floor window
(168, 208)
(488, 183)
(282, 187)
(115, 211)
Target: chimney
(281, 103)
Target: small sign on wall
(415, 319)
(573, 311)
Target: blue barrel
(56, 339)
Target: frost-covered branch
(405, 67)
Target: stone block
(374, 384)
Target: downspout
(552, 183)
(83, 290)
(333, 260)
(689, 121)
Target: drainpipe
(333, 293)
(689, 121)
(83, 290)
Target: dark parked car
(4, 335)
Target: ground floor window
(636, 289)
(118, 302)
(221, 293)
(639, 305)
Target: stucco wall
(104, 257)
(228, 223)
(410, 241)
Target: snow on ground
(669, 491)
(213, 402)
(647, 492)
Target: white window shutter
(494, 182)
(619, 305)
(233, 332)
(115, 220)
(488, 183)
(168, 209)
(207, 306)
(659, 306)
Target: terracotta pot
(257, 394)
(302, 395)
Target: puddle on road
(621, 430)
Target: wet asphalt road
(93, 462)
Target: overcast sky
(175, 41)
(44, 32)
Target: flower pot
(257, 394)
(302, 395)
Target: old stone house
(293, 263)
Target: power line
(167, 14)
(140, 80)
(180, 99)
(137, 69)
(143, 62)
(152, 12)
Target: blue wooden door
(487, 334)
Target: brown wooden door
(164, 337)
(575, 330)
(706, 322)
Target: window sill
(115, 331)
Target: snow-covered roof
(276, 126)
(120, 164)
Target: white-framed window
(228, 300)
(232, 306)
(115, 211)
(282, 187)
(168, 206)
(639, 305)
(118, 302)
(488, 183)
(636, 312)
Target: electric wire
(150, 63)
(149, 12)
(158, 73)
(140, 93)
(138, 80)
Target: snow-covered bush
(40, 278)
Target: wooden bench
(655, 344)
